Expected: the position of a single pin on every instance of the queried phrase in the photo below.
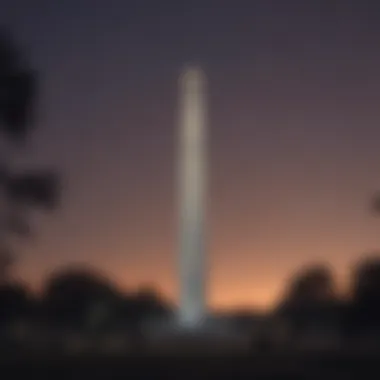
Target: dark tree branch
(39, 189)
(17, 104)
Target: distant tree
(79, 298)
(314, 284)
(140, 309)
(20, 191)
(366, 281)
(365, 305)
(15, 302)
(150, 302)
(310, 300)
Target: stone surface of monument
(192, 162)
(192, 319)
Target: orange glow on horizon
(225, 293)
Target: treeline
(78, 299)
(313, 301)
(82, 299)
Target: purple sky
(294, 98)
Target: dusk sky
(294, 93)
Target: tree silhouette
(15, 302)
(75, 296)
(81, 298)
(314, 284)
(31, 188)
(365, 307)
(310, 301)
(150, 303)
(367, 280)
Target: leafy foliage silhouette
(311, 301)
(73, 293)
(79, 297)
(31, 188)
(310, 285)
(364, 313)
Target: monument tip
(192, 73)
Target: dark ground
(268, 366)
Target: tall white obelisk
(192, 186)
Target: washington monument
(192, 189)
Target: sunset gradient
(294, 110)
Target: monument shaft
(192, 186)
